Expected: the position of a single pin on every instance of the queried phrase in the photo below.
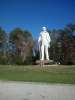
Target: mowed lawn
(35, 73)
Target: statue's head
(44, 28)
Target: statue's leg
(42, 52)
(46, 52)
(39, 51)
(41, 55)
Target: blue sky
(33, 14)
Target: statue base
(44, 62)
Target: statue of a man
(44, 43)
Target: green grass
(49, 74)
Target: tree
(54, 50)
(63, 45)
(67, 40)
(24, 42)
(3, 37)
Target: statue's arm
(48, 38)
(39, 39)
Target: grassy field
(49, 74)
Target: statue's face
(44, 28)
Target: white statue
(44, 43)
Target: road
(11, 90)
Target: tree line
(19, 47)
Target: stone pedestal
(44, 62)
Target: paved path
(35, 91)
